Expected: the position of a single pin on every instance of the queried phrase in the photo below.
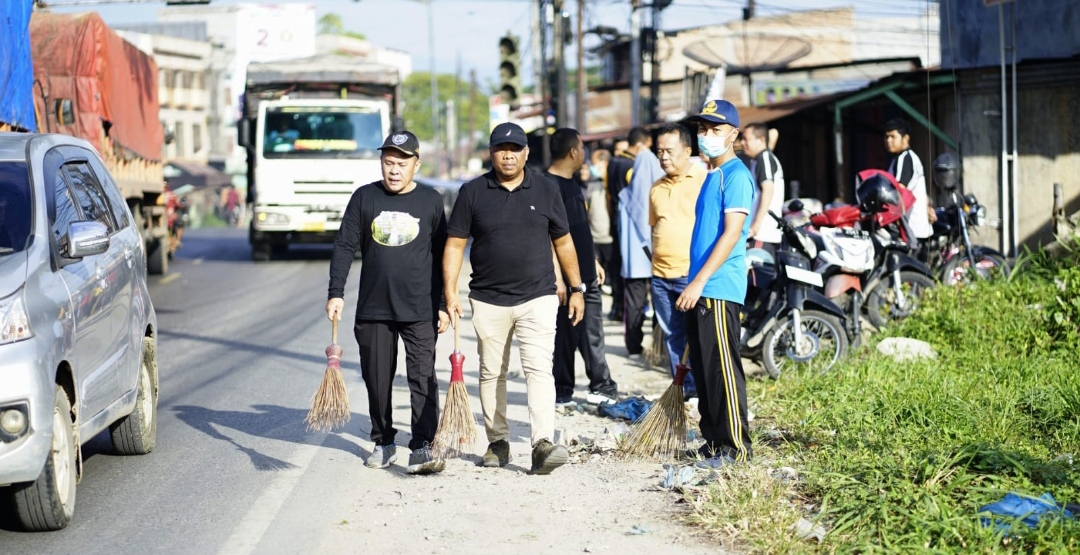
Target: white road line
(169, 278)
(247, 534)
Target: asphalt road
(240, 355)
(235, 472)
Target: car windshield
(15, 205)
(322, 132)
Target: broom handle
(334, 341)
(457, 336)
(686, 351)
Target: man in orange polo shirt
(671, 215)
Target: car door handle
(129, 255)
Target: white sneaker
(598, 398)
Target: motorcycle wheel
(987, 266)
(824, 343)
(881, 303)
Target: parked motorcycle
(952, 254)
(897, 281)
(788, 323)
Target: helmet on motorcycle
(946, 172)
(875, 192)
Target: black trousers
(712, 329)
(587, 338)
(636, 294)
(378, 363)
(604, 255)
(618, 284)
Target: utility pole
(538, 51)
(582, 82)
(635, 63)
(558, 90)
(434, 87)
(470, 141)
(654, 73)
(454, 147)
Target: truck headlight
(14, 321)
(272, 218)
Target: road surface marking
(198, 261)
(169, 279)
(247, 534)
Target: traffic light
(510, 71)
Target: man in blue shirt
(713, 298)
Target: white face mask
(713, 147)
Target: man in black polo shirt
(568, 156)
(399, 228)
(514, 216)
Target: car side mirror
(64, 110)
(243, 133)
(87, 238)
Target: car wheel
(157, 259)
(48, 503)
(136, 433)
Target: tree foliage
(416, 99)
(333, 24)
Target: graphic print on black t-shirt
(394, 229)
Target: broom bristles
(457, 427)
(657, 354)
(660, 432)
(330, 404)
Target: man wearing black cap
(400, 229)
(713, 298)
(514, 216)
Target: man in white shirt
(907, 168)
(768, 184)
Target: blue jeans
(664, 294)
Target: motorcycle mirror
(796, 205)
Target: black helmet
(876, 192)
(946, 171)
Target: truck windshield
(15, 205)
(322, 132)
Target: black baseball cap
(402, 141)
(508, 133)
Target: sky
(469, 30)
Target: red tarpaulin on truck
(112, 84)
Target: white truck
(312, 128)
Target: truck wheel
(157, 257)
(260, 251)
(136, 433)
(48, 503)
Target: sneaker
(422, 462)
(547, 457)
(602, 396)
(701, 453)
(636, 357)
(382, 456)
(715, 462)
(565, 402)
(497, 455)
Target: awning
(178, 174)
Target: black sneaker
(422, 462)
(497, 455)
(547, 457)
(699, 454)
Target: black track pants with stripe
(712, 329)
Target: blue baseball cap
(718, 111)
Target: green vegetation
(898, 457)
(332, 24)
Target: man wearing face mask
(713, 298)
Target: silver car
(77, 329)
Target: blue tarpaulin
(16, 69)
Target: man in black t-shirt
(399, 228)
(619, 171)
(514, 216)
(568, 156)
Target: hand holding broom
(457, 428)
(330, 405)
(661, 432)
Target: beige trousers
(533, 323)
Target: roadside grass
(898, 457)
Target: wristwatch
(579, 288)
